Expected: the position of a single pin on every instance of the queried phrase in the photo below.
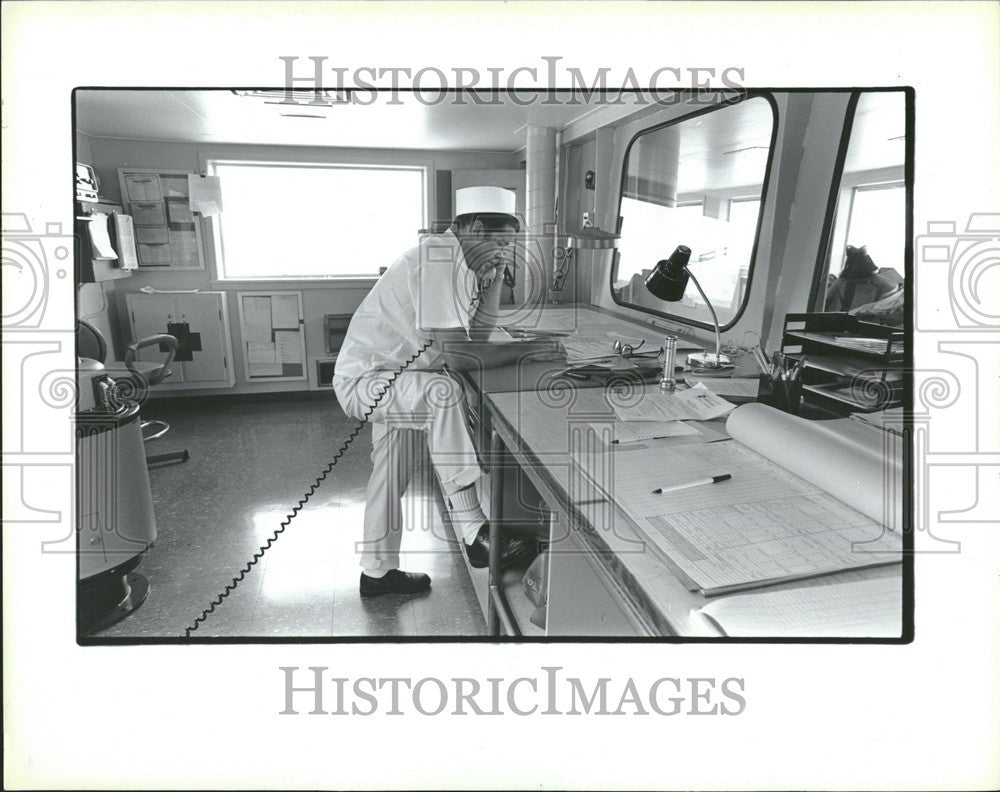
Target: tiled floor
(250, 463)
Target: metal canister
(667, 381)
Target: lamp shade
(669, 277)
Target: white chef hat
(485, 200)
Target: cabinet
(200, 322)
(271, 332)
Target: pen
(760, 359)
(698, 483)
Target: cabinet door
(150, 314)
(582, 599)
(205, 345)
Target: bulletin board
(167, 232)
(273, 337)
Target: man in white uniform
(435, 306)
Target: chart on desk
(762, 525)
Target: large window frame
(738, 195)
(219, 272)
(844, 188)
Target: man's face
(489, 250)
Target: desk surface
(536, 427)
(587, 320)
(532, 409)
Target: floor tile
(250, 464)
(294, 602)
(176, 605)
(384, 616)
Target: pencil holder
(781, 394)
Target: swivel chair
(90, 343)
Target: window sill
(264, 284)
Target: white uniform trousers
(417, 400)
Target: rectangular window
(301, 221)
(696, 182)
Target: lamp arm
(715, 319)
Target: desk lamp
(668, 280)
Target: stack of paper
(856, 609)
(587, 350)
(693, 404)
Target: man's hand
(488, 271)
(488, 261)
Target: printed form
(764, 524)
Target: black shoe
(394, 581)
(511, 549)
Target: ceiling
(404, 120)
(878, 132)
(717, 151)
(725, 148)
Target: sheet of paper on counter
(729, 386)
(693, 404)
(633, 431)
(704, 404)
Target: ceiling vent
(291, 97)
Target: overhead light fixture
(747, 148)
(298, 96)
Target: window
(696, 182)
(878, 221)
(870, 207)
(304, 221)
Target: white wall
(109, 154)
(83, 153)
